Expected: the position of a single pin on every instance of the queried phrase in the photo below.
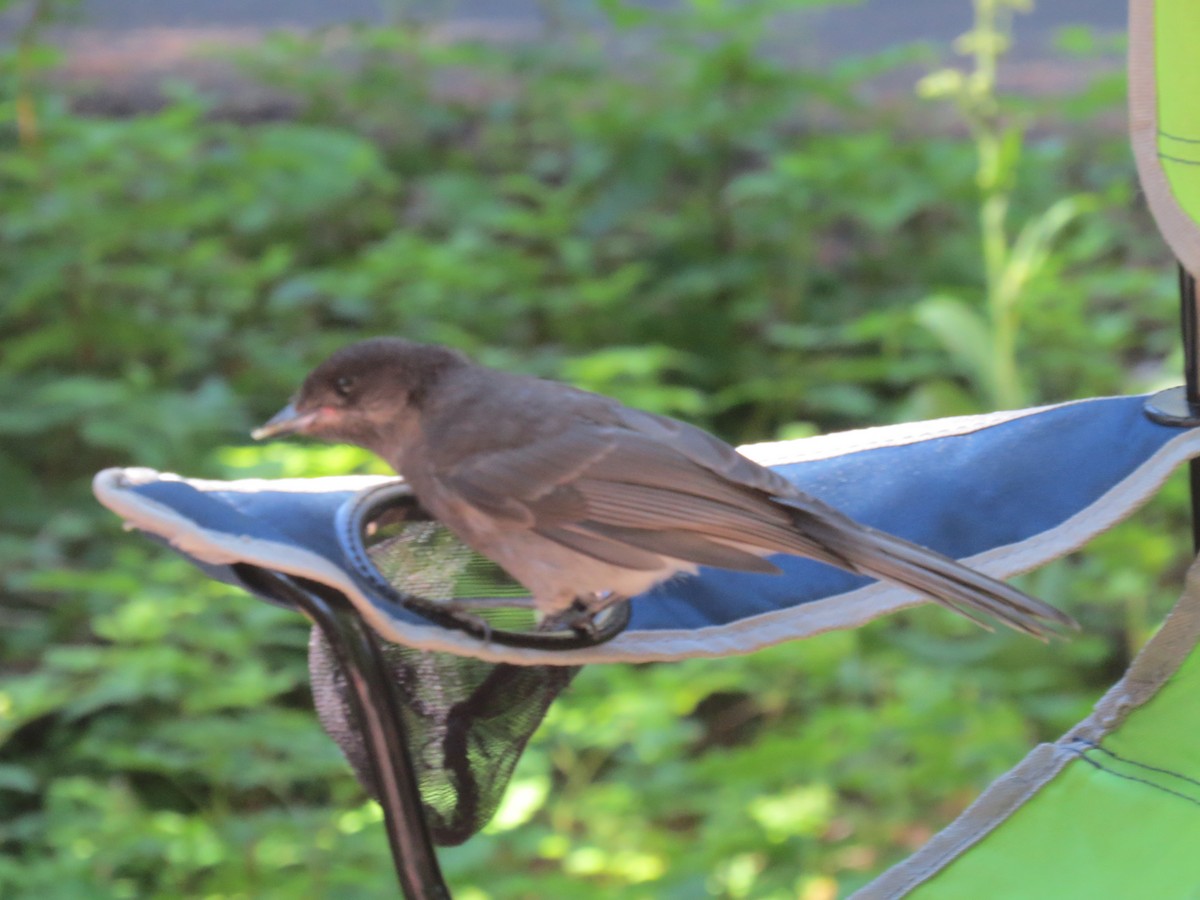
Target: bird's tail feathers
(968, 592)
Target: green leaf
(962, 332)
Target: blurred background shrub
(653, 203)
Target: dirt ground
(119, 52)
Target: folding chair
(434, 719)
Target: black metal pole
(1189, 319)
(377, 708)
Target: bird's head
(368, 394)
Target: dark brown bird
(584, 500)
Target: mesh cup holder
(412, 560)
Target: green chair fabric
(1112, 809)
(1164, 117)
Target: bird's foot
(584, 617)
(472, 623)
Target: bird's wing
(623, 489)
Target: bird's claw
(472, 622)
(582, 617)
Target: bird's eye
(344, 386)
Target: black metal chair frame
(376, 709)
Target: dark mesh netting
(467, 720)
(423, 561)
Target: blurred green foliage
(659, 205)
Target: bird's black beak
(288, 420)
